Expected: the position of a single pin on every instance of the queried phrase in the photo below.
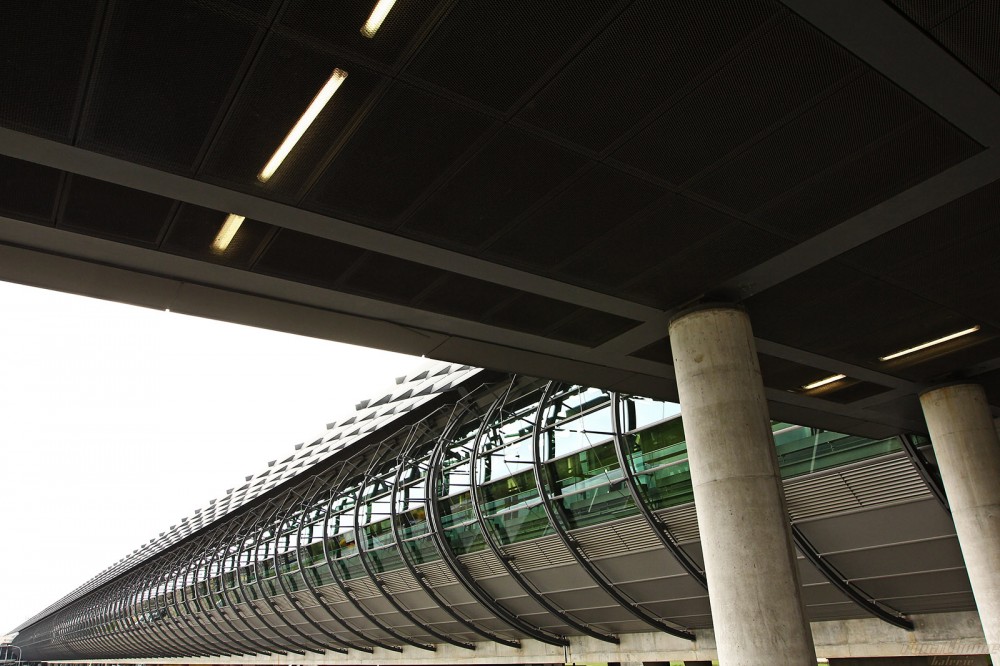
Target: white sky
(118, 421)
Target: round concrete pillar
(965, 443)
(753, 580)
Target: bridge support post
(753, 579)
(968, 454)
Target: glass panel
(350, 567)
(456, 509)
(320, 575)
(466, 538)
(521, 524)
(804, 450)
(385, 559)
(292, 582)
(575, 419)
(413, 522)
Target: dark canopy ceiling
(530, 186)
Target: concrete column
(968, 454)
(753, 580)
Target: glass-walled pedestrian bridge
(510, 509)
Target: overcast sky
(117, 421)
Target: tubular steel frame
(200, 602)
(506, 560)
(180, 598)
(168, 627)
(346, 590)
(336, 493)
(638, 498)
(310, 501)
(432, 482)
(294, 601)
(403, 461)
(226, 538)
(194, 600)
(363, 557)
(256, 534)
(467, 581)
(245, 644)
(555, 513)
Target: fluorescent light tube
(374, 21)
(823, 382)
(319, 101)
(226, 233)
(925, 345)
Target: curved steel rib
(558, 520)
(929, 476)
(319, 597)
(628, 474)
(349, 594)
(506, 560)
(839, 581)
(296, 604)
(448, 555)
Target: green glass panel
(385, 559)
(320, 575)
(413, 523)
(287, 563)
(350, 567)
(595, 465)
(342, 545)
(466, 538)
(266, 568)
(456, 509)
(421, 550)
(597, 504)
(312, 554)
(804, 450)
(520, 524)
(506, 493)
(292, 582)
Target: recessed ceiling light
(925, 345)
(312, 111)
(374, 21)
(823, 382)
(226, 233)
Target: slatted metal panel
(544, 552)
(483, 564)
(437, 574)
(331, 594)
(363, 588)
(887, 480)
(612, 539)
(400, 581)
(682, 521)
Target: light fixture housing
(311, 112)
(931, 343)
(823, 382)
(378, 15)
(227, 232)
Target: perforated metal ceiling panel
(535, 187)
